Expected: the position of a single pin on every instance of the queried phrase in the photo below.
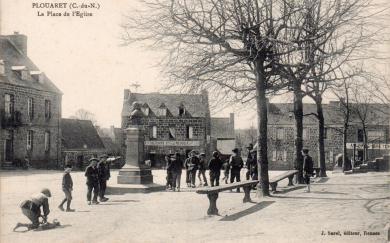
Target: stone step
(7, 166)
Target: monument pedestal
(135, 176)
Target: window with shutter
(172, 133)
(30, 108)
(29, 140)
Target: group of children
(196, 165)
(38, 205)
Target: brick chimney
(20, 41)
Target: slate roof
(77, 133)
(221, 128)
(15, 57)
(109, 145)
(196, 105)
(282, 114)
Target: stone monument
(135, 171)
(135, 176)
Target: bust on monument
(136, 111)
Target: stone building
(171, 122)
(80, 142)
(30, 108)
(281, 132)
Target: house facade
(281, 133)
(171, 123)
(30, 108)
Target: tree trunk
(345, 154)
(321, 137)
(365, 143)
(262, 156)
(298, 114)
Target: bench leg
(247, 195)
(290, 180)
(213, 210)
(273, 186)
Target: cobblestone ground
(337, 204)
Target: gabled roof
(282, 114)
(196, 105)
(110, 145)
(221, 128)
(15, 57)
(79, 135)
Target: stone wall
(39, 125)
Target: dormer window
(22, 71)
(162, 110)
(37, 76)
(2, 67)
(145, 109)
(182, 110)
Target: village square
(269, 121)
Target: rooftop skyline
(84, 59)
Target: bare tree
(230, 48)
(332, 49)
(240, 50)
(342, 92)
(83, 114)
(367, 109)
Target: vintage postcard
(194, 121)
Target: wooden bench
(273, 182)
(212, 193)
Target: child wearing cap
(67, 188)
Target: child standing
(226, 169)
(67, 188)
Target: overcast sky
(83, 58)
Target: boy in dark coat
(215, 165)
(31, 208)
(177, 166)
(254, 172)
(168, 160)
(104, 176)
(307, 167)
(67, 188)
(249, 162)
(92, 174)
(236, 165)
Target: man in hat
(177, 166)
(249, 161)
(168, 160)
(236, 165)
(31, 208)
(191, 165)
(92, 174)
(307, 167)
(215, 165)
(202, 169)
(104, 175)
